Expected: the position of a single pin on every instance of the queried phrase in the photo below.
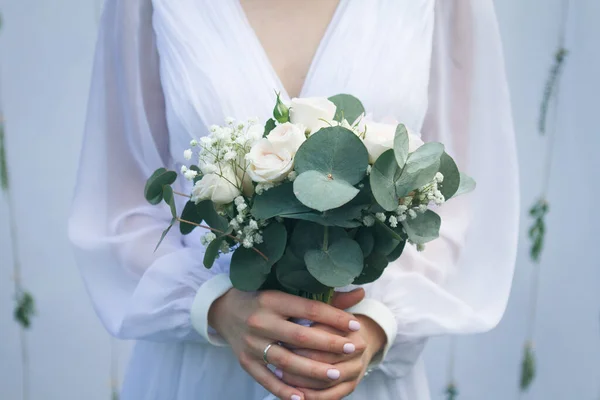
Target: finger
(334, 393)
(292, 363)
(329, 329)
(264, 377)
(301, 381)
(323, 356)
(344, 300)
(304, 337)
(298, 307)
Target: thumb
(343, 300)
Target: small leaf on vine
(537, 231)
(24, 309)
(451, 391)
(3, 166)
(115, 394)
(551, 83)
(527, 367)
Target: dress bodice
(213, 65)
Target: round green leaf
(207, 212)
(397, 252)
(365, 239)
(467, 184)
(424, 228)
(274, 242)
(348, 107)
(421, 166)
(384, 174)
(320, 192)
(308, 235)
(169, 199)
(153, 191)
(337, 266)
(374, 266)
(212, 251)
(336, 152)
(247, 270)
(189, 213)
(278, 201)
(385, 242)
(451, 174)
(401, 145)
(292, 274)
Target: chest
(218, 59)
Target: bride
(165, 70)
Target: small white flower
(422, 208)
(401, 217)
(190, 174)
(240, 218)
(368, 220)
(230, 155)
(193, 143)
(393, 221)
(239, 200)
(224, 247)
(292, 176)
(401, 209)
(420, 247)
(229, 120)
(183, 169)
(380, 216)
(206, 141)
(187, 154)
(439, 177)
(412, 213)
(258, 239)
(369, 168)
(241, 207)
(253, 225)
(207, 238)
(247, 243)
(234, 224)
(253, 120)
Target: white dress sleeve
(137, 293)
(461, 282)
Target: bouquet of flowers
(318, 197)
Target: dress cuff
(382, 315)
(210, 291)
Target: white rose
(218, 189)
(311, 111)
(379, 137)
(268, 163)
(287, 136)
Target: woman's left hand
(352, 367)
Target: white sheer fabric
(165, 70)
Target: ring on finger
(266, 350)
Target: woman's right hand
(250, 321)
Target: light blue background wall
(45, 58)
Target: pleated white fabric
(166, 70)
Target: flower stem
(181, 194)
(222, 233)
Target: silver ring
(265, 352)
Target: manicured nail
(278, 373)
(354, 325)
(333, 374)
(296, 397)
(349, 348)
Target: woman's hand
(352, 367)
(249, 322)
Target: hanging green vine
(551, 84)
(537, 231)
(24, 310)
(451, 392)
(527, 367)
(3, 167)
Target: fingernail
(296, 397)
(333, 374)
(278, 373)
(354, 325)
(349, 348)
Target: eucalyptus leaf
(308, 235)
(212, 251)
(467, 185)
(451, 174)
(337, 266)
(336, 152)
(322, 192)
(424, 228)
(162, 236)
(384, 174)
(420, 169)
(169, 199)
(189, 213)
(384, 241)
(274, 242)
(401, 145)
(365, 239)
(206, 210)
(348, 107)
(326, 220)
(153, 191)
(397, 252)
(248, 270)
(278, 201)
(396, 233)
(374, 265)
(292, 274)
(269, 126)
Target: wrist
(215, 312)
(373, 334)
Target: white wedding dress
(165, 70)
